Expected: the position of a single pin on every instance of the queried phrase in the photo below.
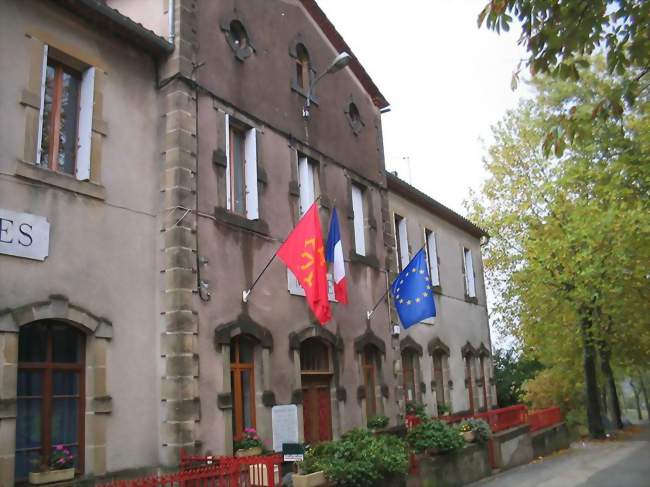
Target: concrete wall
(512, 447)
(459, 468)
(102, 254)
(551, 439)
(459, 320)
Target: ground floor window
(408, 367)
(439, 378)
(316, 377)
(370, 366)
(50, 395)
(242, 376)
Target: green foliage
(431, 435)
(416, 409)
(480, 428)
(570, 233)
(443, 409)
(378, 422)
(359, 458)
(249, 439)
(511, 371)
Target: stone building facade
(446, 360)
(153, 157)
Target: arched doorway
(50, 394)
(316, 377)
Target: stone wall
(468, 465)
(551, 439)
(512, 447)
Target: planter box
(470, 436)
(249, 452)
(49, 476)
(309, 480)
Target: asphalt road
(624, 462)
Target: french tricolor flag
(334, 254)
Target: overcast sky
(446, 80)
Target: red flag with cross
(304, 254)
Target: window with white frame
(401, 242)
(241, 183)
(432, 256)
(65, 117)
(359, 219)
(470, 284)
(308, 182)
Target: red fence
(543, 418)
(212, 471)
(505, 418)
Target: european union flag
(413, 293)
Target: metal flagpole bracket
(369, 314)
(244, 295)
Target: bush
(416, 409)
(434, 435)
(443, 409)
(378, 422)
(359, 458)
(480, 428)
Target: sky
(446, 80)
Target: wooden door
(316, 408)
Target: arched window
(302, 67)
(409, 358)
(370, 366)
(316, 378)
(439, 378)
(50, 394)
(242, 383)
(469, 378)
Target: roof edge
(413, 194)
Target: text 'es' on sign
(24, 235)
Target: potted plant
(59, 468)
(249, 444)
(479, 430)
(416, 409)
(467, 431)
(377, 423)
(443, 409)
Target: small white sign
(285, 425)
(296, 289)
(24, 235)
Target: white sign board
(285, 425)
(24, 235)
(296, 289)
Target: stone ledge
(62, 181)
(240, 222)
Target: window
(401, 242)
(65, 118)
(370, 361)
(242, 383)
(432, 256)
(238, 35)
(241, 183)
(353, 111)
(316, 378)
(409, 370)
(483, 382)
(470, 286)
(469, 376)
(359, 219)
(302, 67)
(308, 181)
(354, 118)
(439, 378)
(50, 394)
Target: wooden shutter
(39, 137)
(359, 230)
(84, 132)
(228, 163)
(469, 274)
(432, 251)
(250, 158)
(306, 183)
(403, 243)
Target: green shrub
(359, 458)
(416, 409)
(480, 428)
(378, 422)
(443, 409)
(434, 435)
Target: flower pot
(249, 452)
(309, 480)
(49, 476)
(470, 436)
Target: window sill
(369, 260)
(256, 226)
(473, 300)
(63, 181)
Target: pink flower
(59, 447)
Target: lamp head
(340, 61)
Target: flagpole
(371, 312)
(247, 292)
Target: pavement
(620, 462)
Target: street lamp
(337, 64)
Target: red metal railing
(412, 421)
(213, 471)
(454, 418)
(543, 418)
(505, 418)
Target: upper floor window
(238, 34)
(302, 67)
(401, 242)
(470, 282)
(308, 182)
(432, 255)
(65, 119)
(241, 183)
(359, 219)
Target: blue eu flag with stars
(413, 293)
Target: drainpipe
(170, 18)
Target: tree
(560, 37)
(511, 371)
(571, 232)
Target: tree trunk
(645, 393)
(638, 401)
(610, 386)
(594, 418)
